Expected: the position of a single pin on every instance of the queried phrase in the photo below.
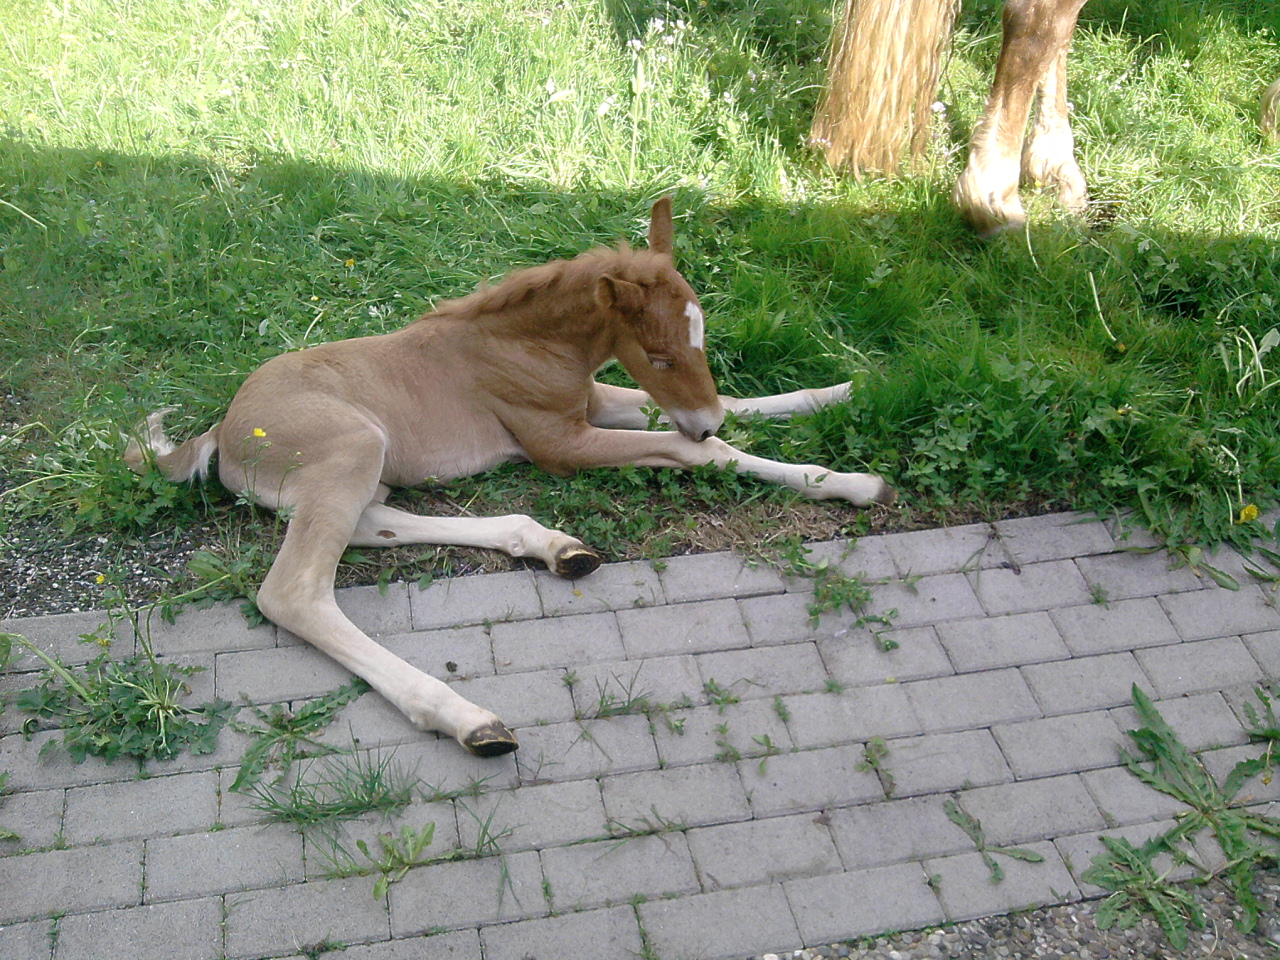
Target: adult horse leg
(1036, 33)
(326, 500)
(623, 408)
(1048, 157)
(516, 535)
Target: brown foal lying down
(503, 374)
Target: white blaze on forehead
(694, 314)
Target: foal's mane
(567, 279)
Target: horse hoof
(575, 562)
(491, 740)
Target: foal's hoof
(887, 494)
(491, 740)
(577, 561)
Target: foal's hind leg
(622, 408)
(515, 535)
(327, 501)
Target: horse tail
(179, 463)
(882, 79)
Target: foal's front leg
(593, 447)
(622, 408)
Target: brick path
(1009, 691)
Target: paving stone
(928, 600)
(490, 597)
(187, 930)
(141, 808)
(867, 557)
(946, 761)
(1084, 684)
(971, 700)
(432, 651)
(455, 945)
(28, 769)
(765, 671)
(1116, 626)
(1002, 641)
(879, 834)
(1059, 536)
(683, 628)
(1078, 851)
(857, 714)
(219, 628)
(863, 902)
(809, 780)
(1199, 666)
(1032, 809)
(222, 861)
(1124, 575)
(595, 935)
(83, 878)
(1123, 799)
(617, 871)
(535, 816)
(1220, 613)
(615, 586)
(289, 919)
(521, 699)
(369, 720)
(1128, 532)
(442, 766)
(660, 681)
(721, 925)
(59, 636)
(1200, 722)
(26, 941)
(1036, 586)
(710, 575)
(1265, 648)
(556, 642)
(945, 550)
(759, 851)
(334, 850)
(1062, 744)
(592, 748)
(272, 676)
(36, 818)
(716, 734)
(966, 891)
(784, 618)
(465, 893)
(685, 796)
(857, 658)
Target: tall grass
(189, 188)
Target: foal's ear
(661, 229)
(625, 297)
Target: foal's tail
(179, 463)
(882, 79)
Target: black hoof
(887, 494)
(491, 740)
(575, 562)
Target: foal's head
(661, 340)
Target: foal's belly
(464, 457)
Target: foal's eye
(659, 362)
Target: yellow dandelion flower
(1248, 512)
(348, 263)
(259, 432)
(100, 579)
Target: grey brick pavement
(691, 779)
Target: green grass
(188, 189)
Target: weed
(719, 696)
(644, 827)
(770, 749)
(130, 707)
(332, 789)
(971, 826)
(728, 752)
(627, 702)
(1264, 728)
(781, 709)
(398, 855)
(286, 735)
(5, 834)
(1129, 873)
(874, 754)
(832, 685)
(1098, 595)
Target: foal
(503, 374)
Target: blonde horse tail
(882, 79)
(179, 463)
(1271, 112)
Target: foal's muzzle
(697, 425)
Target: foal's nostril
(705, 435)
